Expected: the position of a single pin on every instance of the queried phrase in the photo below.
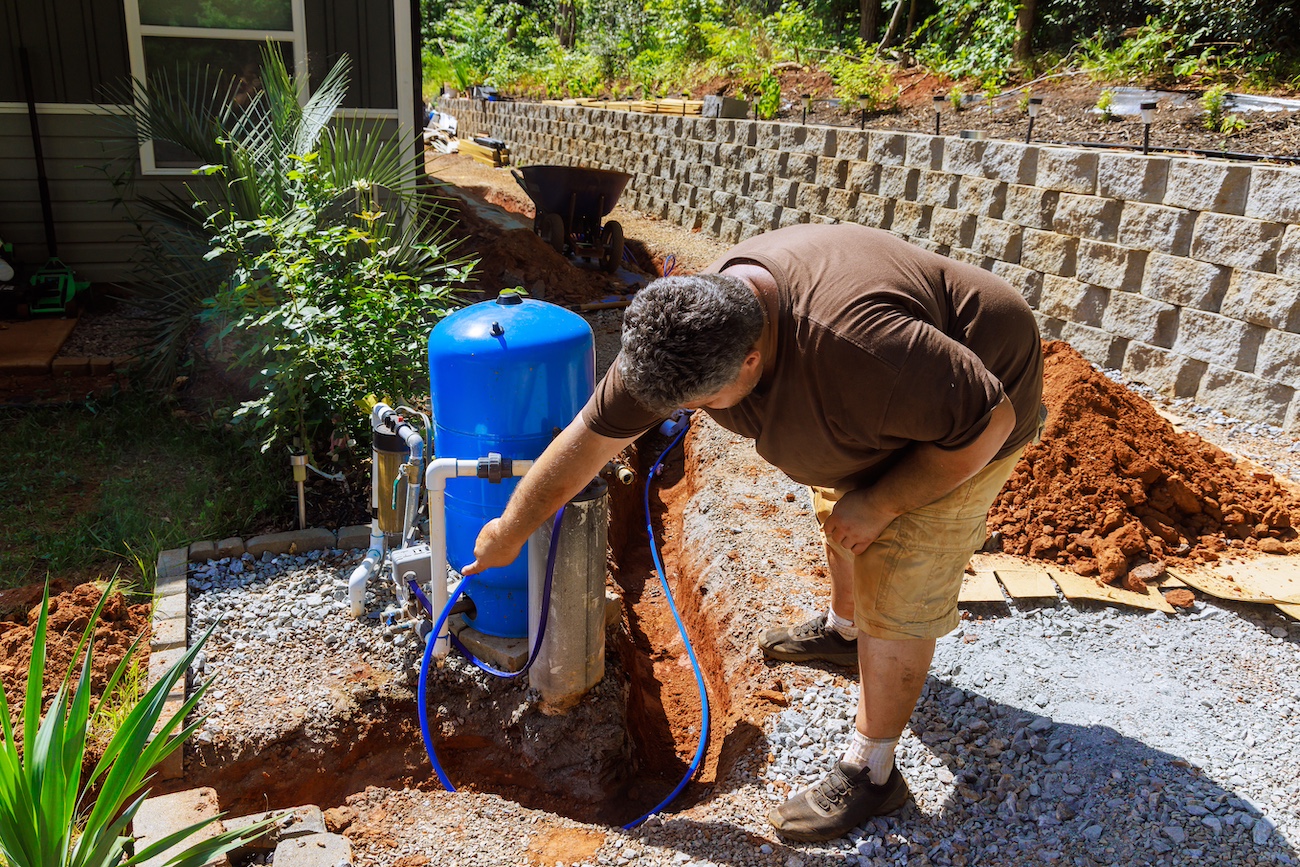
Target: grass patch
(87, 489)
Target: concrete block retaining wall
(1182, 272)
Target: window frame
(136, 33)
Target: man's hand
(857, 519)
(924, 474)
(568, 463)
(491, 550)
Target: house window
(225, 35)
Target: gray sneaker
(809, 641)
(838, 803)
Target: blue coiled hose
(422, 695)
(422, 692)
(690, 651)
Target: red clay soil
(1114, 491)
(120, 623)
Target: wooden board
(1023, 579)
(1216, 585)
(1076, 586)
(1272, 575)
(1292, 611)
(30, 346)
(487, 156)
(980, 586)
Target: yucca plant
(49, 816)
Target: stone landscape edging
(1182, 272)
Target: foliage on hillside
(651, 48)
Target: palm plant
(48, 816)
(250, 149)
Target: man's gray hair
(684, 338)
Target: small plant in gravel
(49, 816)
(1106, 105)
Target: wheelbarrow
(570, 204)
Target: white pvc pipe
(435, 481)
(366, 570)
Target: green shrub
(276, 171)
(1215, 103)
(769, 97)
(864, 75)
(969, 38)
(956, 96)
(1217, 119)
(331, 311)
(1105, 104)
(1153, 52)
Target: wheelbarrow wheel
(611, 247)
(552, 231)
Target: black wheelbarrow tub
(591, 192)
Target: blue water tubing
(690, 650)
(423, 691)
(422, 694)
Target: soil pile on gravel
(120, 623)
(1114, 491)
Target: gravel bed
(1082, 736)
(1070, 733)
(280, 619)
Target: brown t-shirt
(879, 344)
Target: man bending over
(900, 385)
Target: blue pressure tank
(505, 376)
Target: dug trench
(608, 760)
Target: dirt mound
(119, 625)
(1114, 491)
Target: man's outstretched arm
(571, 461)
(923, 476)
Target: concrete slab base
(506, 654)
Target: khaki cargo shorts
(906, 584)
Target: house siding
(92, 233)
(78, 49)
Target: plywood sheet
(1216, 585)
(1292, 611)
(1076, 586)
(1270, 575)
(1023, 579)
(980, 586)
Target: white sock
(874, 753)
(847, 629)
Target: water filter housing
(504, 376)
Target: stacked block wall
(1184, 273)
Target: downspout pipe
(494, 468)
